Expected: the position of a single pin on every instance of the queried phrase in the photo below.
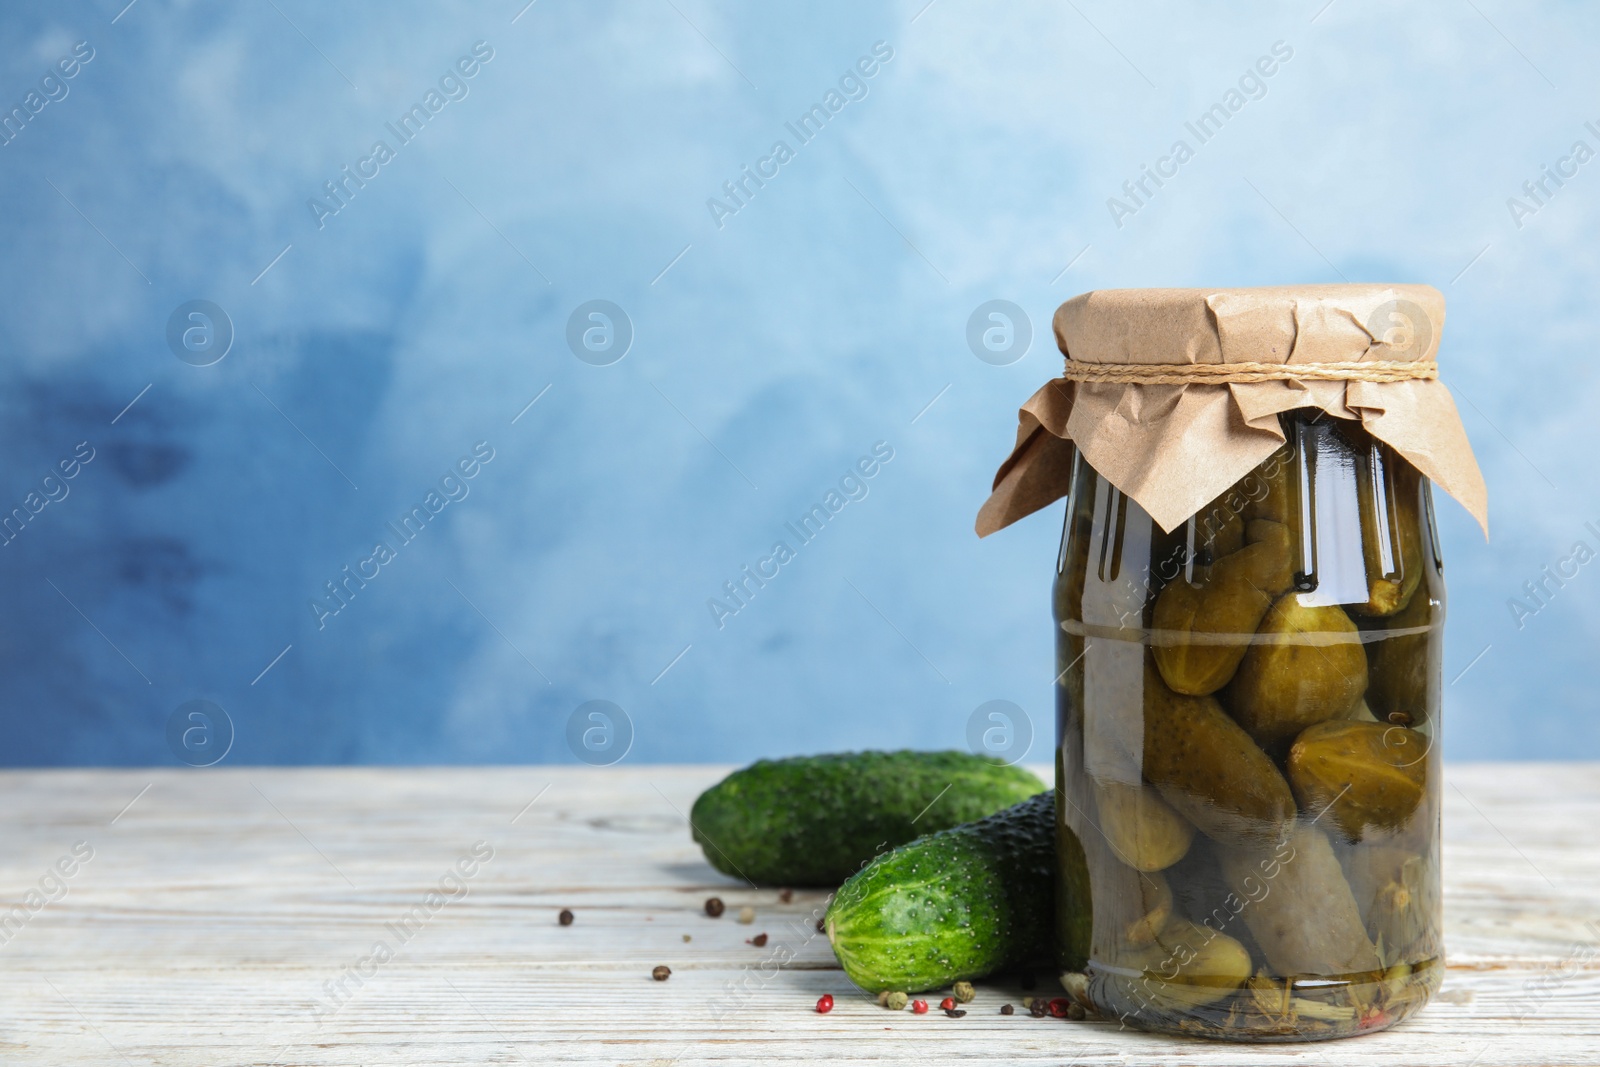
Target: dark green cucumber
(964, 903)
(816, 820)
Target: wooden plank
(231, 917)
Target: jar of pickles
(1248, 673)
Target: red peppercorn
(919, 1007)
(825, 1004)
(948, 1004)
(1058, 1007)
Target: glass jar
(1247, 764)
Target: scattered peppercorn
(785, 895)
(919, 1007)
(1058, 1007)
(747, 915)
(687, 938)
(714, 906)
(661, 973)
(883, 997)
(1075, 1011)
(1006, 1009)
(758, 941)
(1039, 1009)
(954, 1013)
(819, 926)
(825, 1003)
(963, 992)
(896, 1001)
(565, 918)
(948, 1003)
(1027, 1002)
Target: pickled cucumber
(1399, 668)
(1209, 770)
(1266, 489)
(1185, 966)
(1144, 831)
(1362, 774)
(1155, 910)
(1201, 893)
(1307, 666)
(1389, 590)
(1218, 533)
(1205, 627)
(1298, 906)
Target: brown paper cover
(1174, 448)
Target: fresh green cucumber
(959, 904)
(816, 820)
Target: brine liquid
(1260, 853)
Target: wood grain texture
(220, 912)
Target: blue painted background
(773, 347)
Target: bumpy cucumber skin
(964, 903)
(816, 820)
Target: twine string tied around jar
(1365, 370)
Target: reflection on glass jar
(1248, 763)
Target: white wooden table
(233, 917)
